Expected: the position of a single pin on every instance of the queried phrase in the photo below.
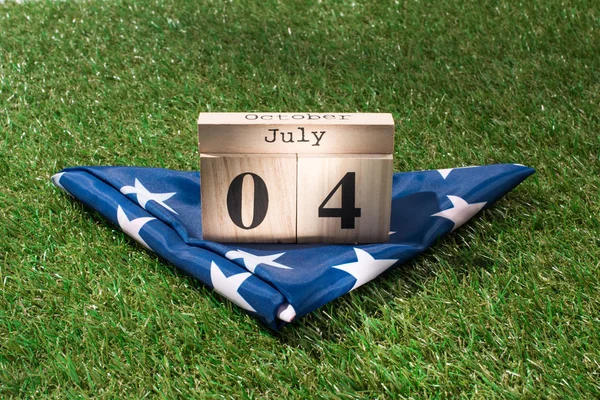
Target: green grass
(508, 306)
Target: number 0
(348, 212)
(234, 200)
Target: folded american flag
(160, 209)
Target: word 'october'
(290, 138)
(311, 117)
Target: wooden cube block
(296, 177)
(249, 197)
(344, 198)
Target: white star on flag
(56, 180)
(144, 195)
(132, 227)
(446, 171)
(286, 312)
(228, 287)
(251, 261)
(461, 212)
(366, 268)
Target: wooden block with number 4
(344, 198)
(248, 197)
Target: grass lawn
(507, 306)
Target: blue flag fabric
(160, 209)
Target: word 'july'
(318, 135)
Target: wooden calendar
(296, 177)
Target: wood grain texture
(318, 175)
(304, 133)
(222, 174)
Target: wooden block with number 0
(344, 198)
(249, 197)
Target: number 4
(348, 212)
